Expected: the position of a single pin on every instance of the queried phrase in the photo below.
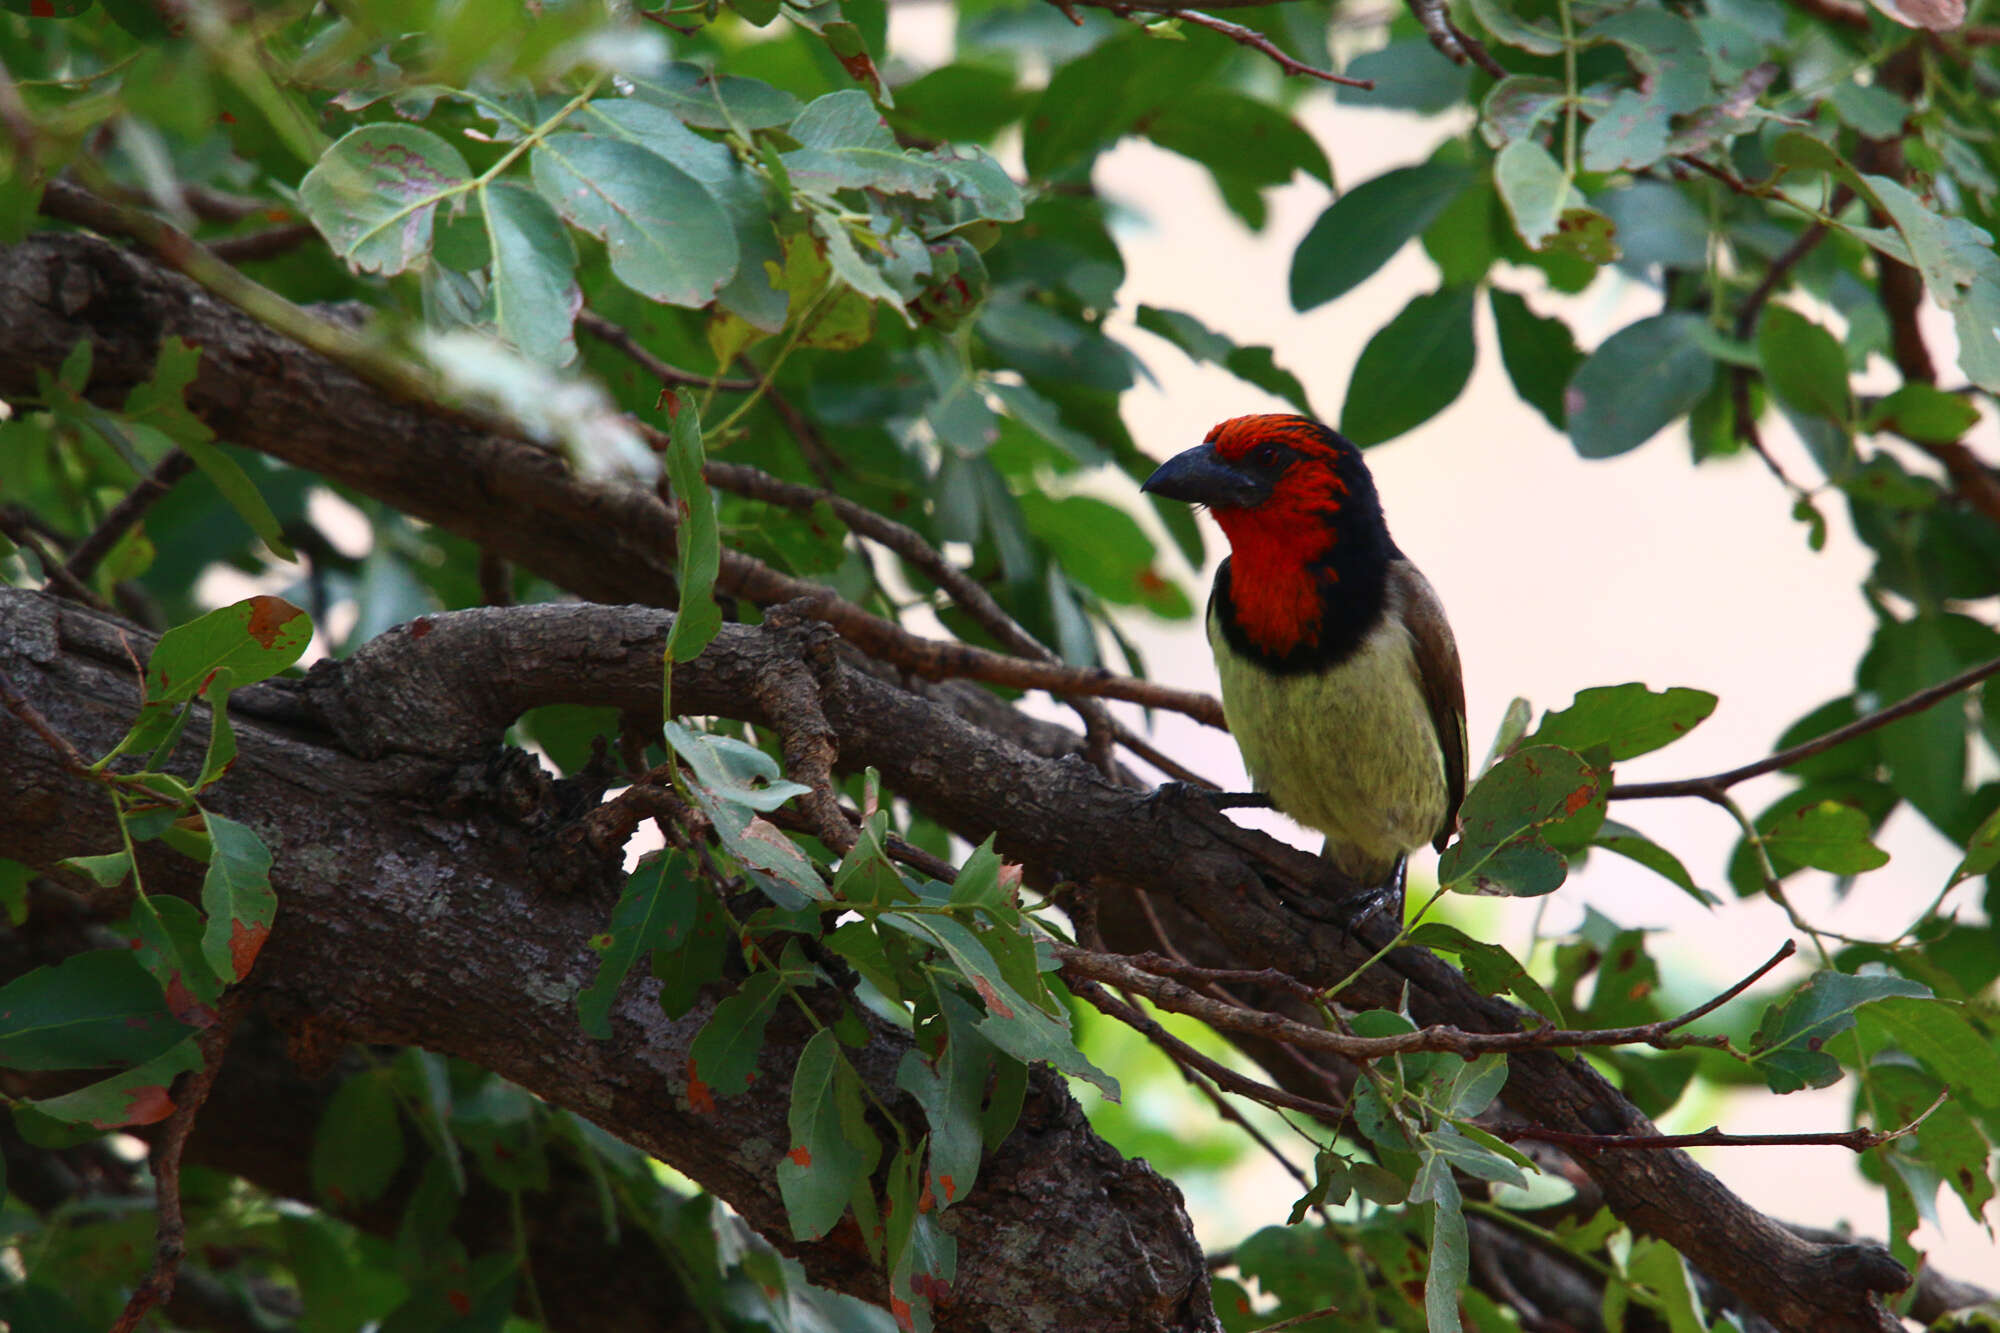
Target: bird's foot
(1385, 899)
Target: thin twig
(14, 525)
(266, 244)
(1859, 1140)
(121, 517)
(604, 330)
(1451, 41)
(1119, 971)
(1746, 325)
(17, 704)
(1712, 787)
(1235, 32)
(170, 1242)
(1192, 1060)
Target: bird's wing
(1439, 675)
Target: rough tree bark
(384, 866)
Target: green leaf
(1253, 365)
(374, 194)
(1633, 131)
(253, 639)
(1489, 967)
(1540, 354)
(90, 1010)
(696, 536)
(228, 477)
(1803, 364)
(951, 1087)
(1945, 1040)
(736, 771)
(168, 933)
(1629, 720)
(1629, 842)
(1643, 377)
(846, 145)
(1017, 1026)
(668, 237)
(1532, 185)
(1924, 413)
(1790, 1035)
(1409, 75)
(1450, 1247)
(359, 1146)
(961, 102)
(1960, 270)
(1412, 369)
(1827, 836)
(1366, 227)
(1535, 786)
(821, 1170)
(1925, 753)
(1474, 1085)
(1516, 107)
(534, 291)
(141, 1095)
(698, 961)
(1982, 852)
(1092, 101)
(1499, 19)
(1247, 145)
(723, 1059)
(655, 911)
(712, 102)
(236, 894)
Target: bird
(1340, 676)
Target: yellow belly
(1351, 751)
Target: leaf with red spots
(1628, 720)
(374, 194)
(137, 1096)
(923, 1258)
(951, 1087)
(700, 1097)
(833, 1149)
(1502, 847)
(166, 939)
(236, 894)
(90, 1011)
(255, 638)
(1014, 1024)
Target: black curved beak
(1201, 476)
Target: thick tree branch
(1060, 819)
(414, 865)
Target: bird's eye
(1264, 455)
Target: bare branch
(1712, 787)
(1126, 974)
(607, 331)
(1858, 1140)
(1235, 32)
(170, 1242)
